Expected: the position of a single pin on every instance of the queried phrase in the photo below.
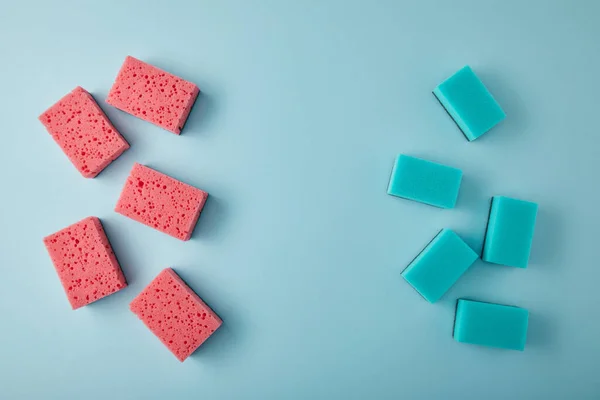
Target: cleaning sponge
(425, 181)
(510, 232)
(161, 202)
(85, 262)
(445, 259)
(83, 132)
(175, 314)
(492, 325)
(153, 95)
(469, 103)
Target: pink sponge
(161, 202)
(85, 262)
(83, 132)
(175, 314)
(152, 94)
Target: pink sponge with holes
(85, 262)
(175, 314)
(161, 202)
(153, 95)
(83, 132)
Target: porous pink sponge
(175, 314)
(161, 202)
(85, 262)
(152, 94)
(83, 132)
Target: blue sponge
(425, 181)
(490, 324)
(469, 103)
(445, 259)
(510, 232)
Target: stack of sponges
(447, 257)
(81, 253)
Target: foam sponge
(175, 314)
(488, 324)
(161, 202)
(153, 95)
(85, 262)
(425, 181)
(469, 103)
(445, 259)
(83, 132)
(509, 232)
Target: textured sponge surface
(85, 262)
(161, 202)
(510, 232)
(83, 132)
(445, 259)
(469, 103)
(490, 324)
(175, 314)
(153, 95)
(425, 181)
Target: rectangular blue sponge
(469, 103)
(445, 259)
(488, 324)
(425, 181)
(510, 232)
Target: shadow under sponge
(153, 95)
(493, 325)
(161, 202)
(510, 232)
(83, 132)
(175, 314)
(469, 103)
(85, 262)
(445, 259)
(425, 181)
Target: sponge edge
(425, 181)
(510, 231)
(469, 103)
(445, 259)
(493, 325)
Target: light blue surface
(425, 181)
(299, 249)
(493, 325)
(441, 263)
(510, 232)
(469, 103)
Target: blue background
(305, 105)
